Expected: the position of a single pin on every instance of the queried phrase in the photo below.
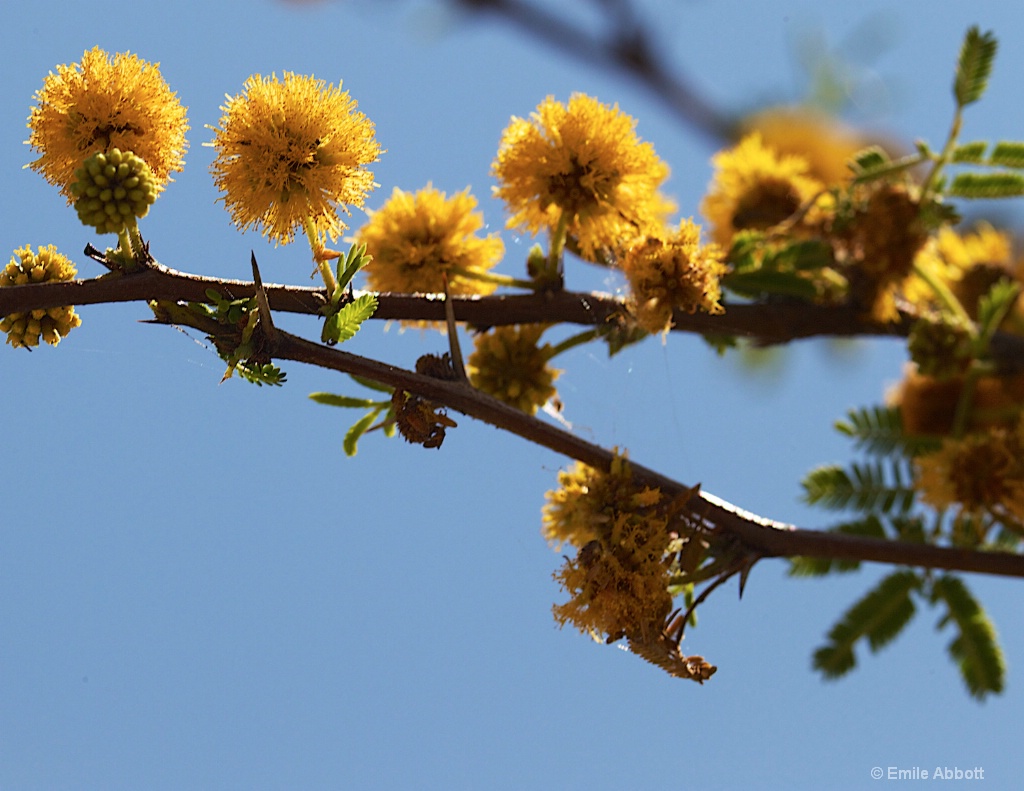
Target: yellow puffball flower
(582, 161)
(291, 151)
(508, 364)
(104, 103)
(824, 142)
(416, 239)
(978, 472)
(755, 188)
(967, 263)
(49, 324)
(673, 272)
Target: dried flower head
(618, 582)
(756, 188)
(104, 103)
(417, 239)
(582, 164)
(508, 364)
(50, 324)
(291, 151)
(673, 272)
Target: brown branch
(778, 322)
(761, 536)
(626, 46)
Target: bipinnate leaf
(974, 186)
(343, 325)
(973, 152)
(974, 66)
(975, 649)
(866, 487)
(1008, 154)
(877, 618)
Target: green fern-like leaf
(974, 66)
(331, 399)
(975, 649)
(343, 325)
(878, 617)
(1008, 154)
(974, 186)
(973, 152)
(869, 527)
(878, 430)
(866, 487)
(359, 428)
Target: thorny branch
(772, 323)
(760, 536)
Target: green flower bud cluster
(49, 324)
(111, 189)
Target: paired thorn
(263, 304)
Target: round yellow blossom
(582, 164)
(755, 188)
(968, 263)
(291, 151)
(416, 239)
(978, 473)
(824, 142)
(50, 324)
(508, 364)
(675, 272)
(101, 104)
(618, 582)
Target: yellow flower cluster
(825, 144)
(508, 364)
(581, 167)
(756, 188)
(968, 263)
(104, 103)
(52, 324)
(979, 473)
(418, 239)
(675, 272)
(290, 152)
(618, 582)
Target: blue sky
(197, 588)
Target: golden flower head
(52, 324)
(101, 104)
(584, 165)
(292, 151)
(968, 263)
(978, 472)
(416, 239)
(755, 188)
(675, 272)
(508, 364)
(824, 142)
